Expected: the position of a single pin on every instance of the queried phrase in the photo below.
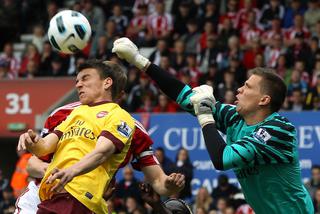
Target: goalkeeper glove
(127, 50)
(203, 101)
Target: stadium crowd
(200, 42)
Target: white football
(69, 31)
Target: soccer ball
(69, 31)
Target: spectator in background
(240, 73)
(181, 18)
(243, 15)
(213, 75)
(9, 18)
(233, 50)
(19, 180)
(313, 95)
(258, 61)
(144, 87)
(224, 188)
(293, 9)
(110, 33)
(131, 204)
(230, 12)
(192, 69)
(203, 200)
(133, 79)
(209, 54)
(299, 50)
(103, 52)
(272, 52)
(128, 186)
(184, 166)
(32, 70)
(160, 24)
(226, 30)
(57, 68)
(208, 32)
(296, 101)
(165, 65)
(312, 15)
(314, 183)
(148, 103)
(46, 59)
(229, 97)
(165, 105)
(228, 83)
(96, 18)
(222, 205)
(161, 49)
(51, 10)
(165, 162)
(211, 14)
(250, 31)
(178, 55)
(191, 38)
(249, 54)
(268, 35)
(4, 70)
(270, 11)
(298, 28)
(14, 63)
(137, 28)
(4, 183)
(282, 68)
(38, 37)
(316, 201)
(296, 82)
(119, 18)
(7, 205)
(31, 54)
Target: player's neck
(256, 117)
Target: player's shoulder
(67, 107)
(278, 122)
(140, 127)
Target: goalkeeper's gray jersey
(264, 158)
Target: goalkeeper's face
(91, 88)
(249, 98)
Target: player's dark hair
(272, 85)
(108, 69)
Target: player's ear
(265, 100)
(107, 83)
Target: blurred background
(198, 41)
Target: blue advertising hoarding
(173, 131)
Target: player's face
(249, 96)
(91, 88)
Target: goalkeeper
(261, 145)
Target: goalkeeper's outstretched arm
(172, 87)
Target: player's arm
(162, 183)
(36, 168)
(103, 150)
(38, 146)
(225, 115)
(263, 146)
(172, 87)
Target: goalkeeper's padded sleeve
(166, 82)
(215, 145)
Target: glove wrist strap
(140, 61)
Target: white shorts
(27, 202)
